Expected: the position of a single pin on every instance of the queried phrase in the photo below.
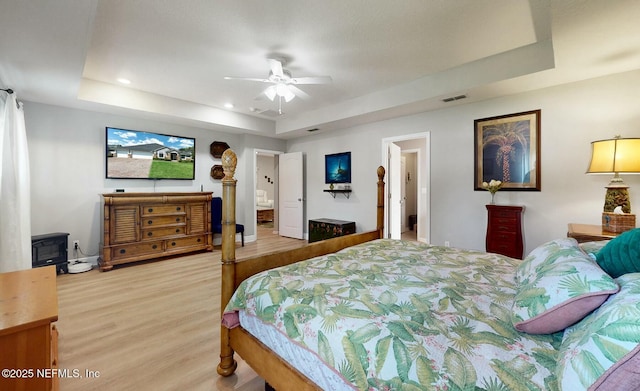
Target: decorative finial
(229, 162)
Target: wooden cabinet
(142, 226)
(504, 230)
(322, 229)
(28, 337)
(263, 215)
(588, 233)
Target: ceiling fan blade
(312, 80)
(298, 92)
(276, 67)
(247, 79)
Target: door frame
(423, 177)
(257, 151)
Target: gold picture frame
(507, 148)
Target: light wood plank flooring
(151, 326)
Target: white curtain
(15, 189)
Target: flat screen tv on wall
(337, 168)
(133, 154)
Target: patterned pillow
(592, 248)
(602, 352)
(557, 285)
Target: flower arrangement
(493, 186)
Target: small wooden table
(28, 338)
(589, 233)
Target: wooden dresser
(504, 230)
(28, 337)
(142, 226)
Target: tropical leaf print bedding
(396, 315)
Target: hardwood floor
(151, 326)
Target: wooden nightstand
(589, 233)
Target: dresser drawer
(162, 209)
(504, 236)
(158, 221)
(504, 248)
(504, 224)
(162, 232)
(140, 248)
(198, 240)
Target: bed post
(229, 160)
(380, 214)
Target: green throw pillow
(621, 255)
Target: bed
(363, 312)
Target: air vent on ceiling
(447, 100)
(312, 130)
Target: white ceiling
(386, 58)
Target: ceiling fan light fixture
(288, 95)
(270, 92)
(281, 89)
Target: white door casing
(395, 191)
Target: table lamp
(615, 156)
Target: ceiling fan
(283, 85)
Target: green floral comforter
(405, 316)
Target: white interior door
(290, 195)
(395, 191)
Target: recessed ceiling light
(124, 81)
(228, 105)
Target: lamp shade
(617, 155)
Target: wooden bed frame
(276, 372)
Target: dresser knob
(122, 251)
(150, 210)
(173, 243)
(155, 246)
(150, 222)
(149, 234)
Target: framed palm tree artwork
(507, 149)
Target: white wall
(572, 116)
(66, 155)
(66, 148)
(265, 174)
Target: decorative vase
(492, 198)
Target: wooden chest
(321, 229)
(141, 226)
(504, 230)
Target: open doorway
(414, 179)
(265, 192)
(409, 209)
